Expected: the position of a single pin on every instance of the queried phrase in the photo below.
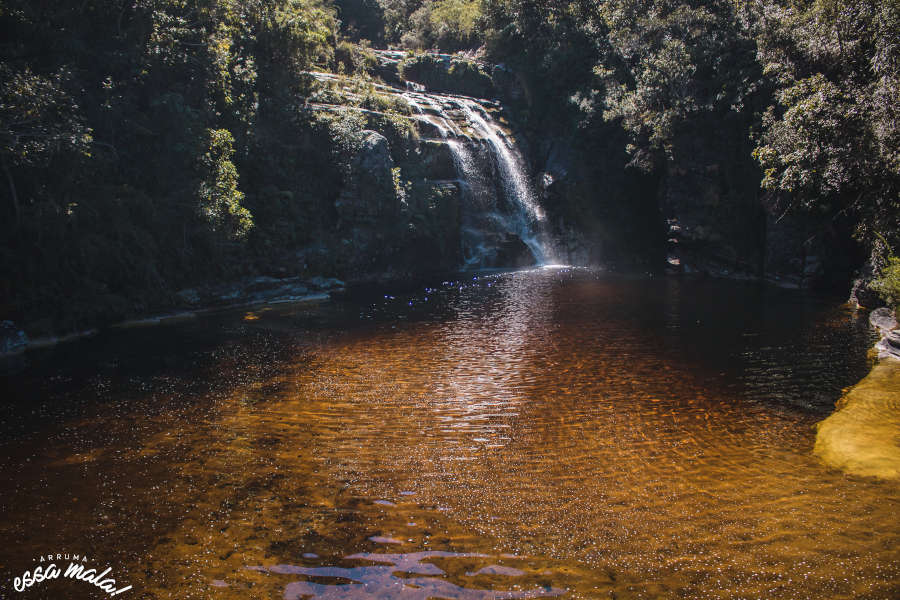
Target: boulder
(388, 67)
(892, 339)
(374, 157)
(369, 190)
(438, 160)
(510, 252)
(427, 128)
(883, 319)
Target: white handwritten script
(76, 570)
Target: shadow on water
(630, 437)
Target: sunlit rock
(861, 438)
(884, 321)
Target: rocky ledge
(860, 438)
(258, 290)
(883, 320)
(190, 303)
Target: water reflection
(635, 438)
(394, 576)
(486, 357)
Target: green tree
(39, 122)
(672, 60)
(888, 284)
(397, 15)
(220, 198)
(831, 141)
(454, 23)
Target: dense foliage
(831, 140)
(149, 144)
(417, 24)
(128, 141)
(888, 284)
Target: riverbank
(860, 438)
(191, 303)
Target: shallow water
(547, 433)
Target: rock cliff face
(602, 213)
(438, 183)
(370, 180)
(396, 217)
(698, 211)
(710, 205)
(718, 221)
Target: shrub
(443, 73)
(220, 198)
(888, 284)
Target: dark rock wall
(397, 217)
(699, 210)
(709, 199)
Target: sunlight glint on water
(540, 433)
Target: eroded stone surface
(862, 437)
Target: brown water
(550, 433)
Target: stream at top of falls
(541, 433)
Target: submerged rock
(861, 437)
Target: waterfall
(528, 222)
(479, 217)
(499, 206)
(512, 170)
(503, 223)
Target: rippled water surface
(550, 433)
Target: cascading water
(480, 217)
(527, 220)
(502, 221)
(499, 206)
(510, 163)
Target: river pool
(552, 432)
